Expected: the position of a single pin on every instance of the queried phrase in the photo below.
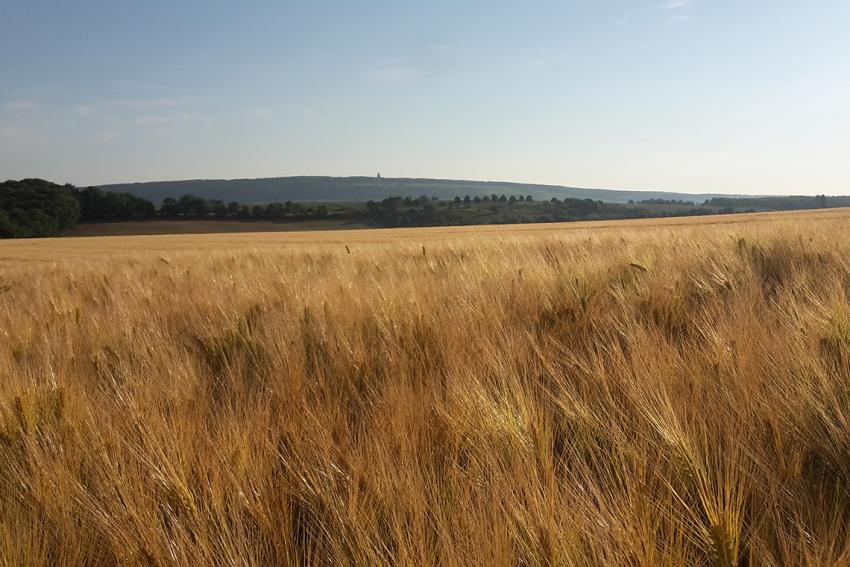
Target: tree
(199, 207)
(192, 206)
(144, 208)
(219, 209)
(184, 205)
(232, 208)
(98, 205)
(275, 210)
(35, 207)
(467, 201)
(169, 207)
(8, 228)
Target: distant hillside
(328, 189)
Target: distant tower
(379, 175)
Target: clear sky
(744, 96)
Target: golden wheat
(645, 393)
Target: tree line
(787, 203)
(504, 209)
(190, 206)
(34, 207)
(105, 205)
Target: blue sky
(681, 95)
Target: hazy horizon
(383, 177)
(685, 96)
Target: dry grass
(619, 394)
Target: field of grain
(667, 392)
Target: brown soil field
(126, 228)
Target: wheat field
(626, 393)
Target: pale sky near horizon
(694, 96)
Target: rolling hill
(328, 189)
